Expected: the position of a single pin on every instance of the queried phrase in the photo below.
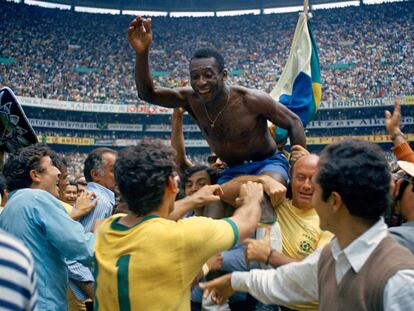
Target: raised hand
(392, 121)
(139, 34)
(220, 289)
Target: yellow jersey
(301, 236)
(151, 265)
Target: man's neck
(351, 229)
(132, 219)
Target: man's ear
(34, 176)
(336, 201)
(172, 185)
(95, 175)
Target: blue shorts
(277, 163)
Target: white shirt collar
(358, 252)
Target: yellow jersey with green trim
(301, 236)
(152, 265)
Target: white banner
(354, 123)
(91, 107)
(85, 125)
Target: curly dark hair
(142, 172)
(19, 164)
(94, 161)
(359, 172)
(207, 53)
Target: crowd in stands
(57, 202)
(61, 58)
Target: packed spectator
(365, 51)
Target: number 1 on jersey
(123, 286)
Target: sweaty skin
(240, 129)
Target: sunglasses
(212, 159)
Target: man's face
(70, 194)
(205, 78)
(47, 177)
(81, 189)
(63, 180)
(106, 177)
(216, 163)
(196, 181)
(302, 187)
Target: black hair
(210, 53)
(94, 161)
(19, 164)
(2, 184)
(359, 173)
(59, 161)
(142, 172)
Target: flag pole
(305, 7)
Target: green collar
(117, 226)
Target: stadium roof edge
(186, 5)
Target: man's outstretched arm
(140, 38)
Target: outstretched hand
(139, 34)
(220, 289)
(207, 194)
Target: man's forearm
(279, 259)
(297, 133)
(143, 78)
(177, 141)
(183, 206)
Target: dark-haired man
(35, 215)
(99, 173)
(146, 261)
(233, 119)
(362, 268)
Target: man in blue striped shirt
(17, 275)
(99, 173)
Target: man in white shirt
(362, 268)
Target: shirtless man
(233, 119)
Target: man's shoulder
(28, 195)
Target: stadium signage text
(150, 109)
(356, 103)
(354, 123)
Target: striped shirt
(17, 275)
(103, 209)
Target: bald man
(299, 224)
